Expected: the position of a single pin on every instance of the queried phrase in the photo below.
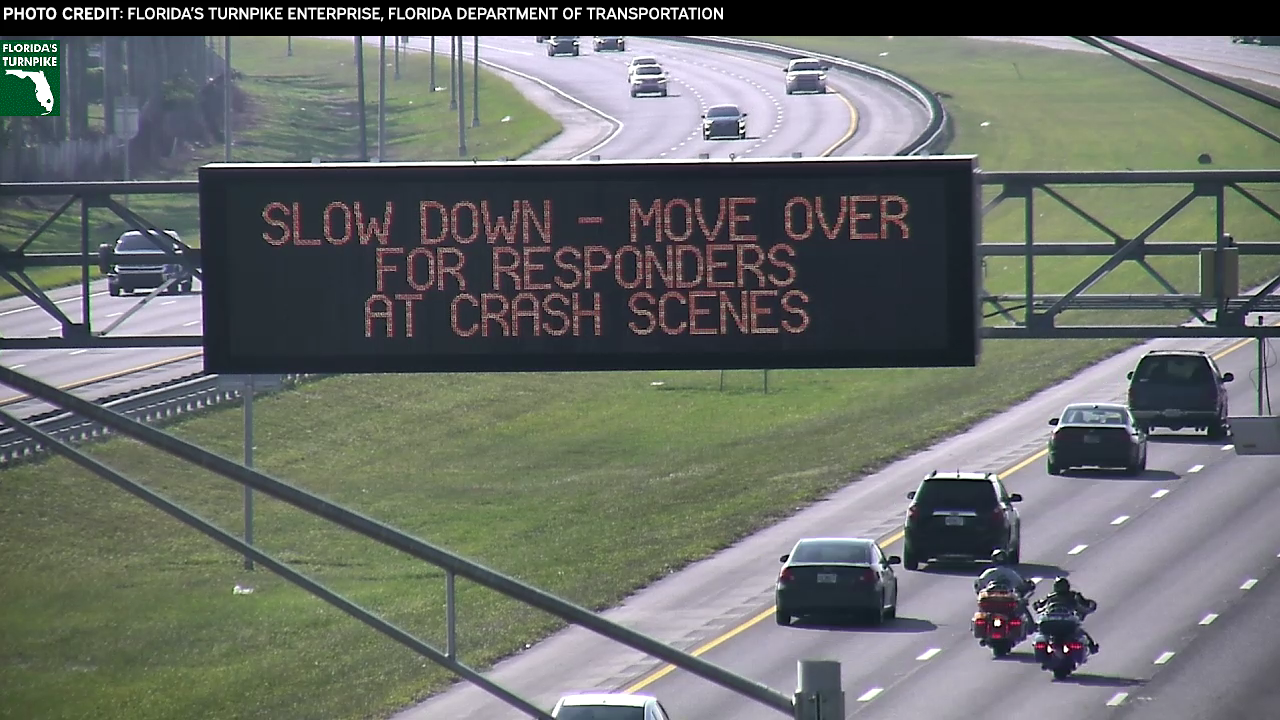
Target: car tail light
(913, 513)
(869, 575)
(785, 575)
(997, 515)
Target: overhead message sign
(448, 267)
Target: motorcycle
(998, 624)
(1059, 645)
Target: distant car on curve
(836, 576)
(610, 42)
(133, 262)
(724, 122)
(609, 706)
(649, 80)
(806, 75)
(1179, 389)
(541, 38)
(1258, 39)
(1101, 435)
(961, 516)
(563, 45)
(639, 62)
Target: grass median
(589, 486)
(300, 107)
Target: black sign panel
(454, 267)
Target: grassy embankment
(589, 486)
(301, 107)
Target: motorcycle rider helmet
(999, 557)
(1062, 585)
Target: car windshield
(600, 712)
(962, 494)
(832, 552)
(136, 242)
(806, 65)
(1174, 370)
(723, 111)
(649, 70)
(1093, 416)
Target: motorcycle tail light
(980, 620)
(1042, 646)
(1075, 646)
(1015, 621)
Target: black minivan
(1179, 389)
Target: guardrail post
(819, 695)
(450, 616)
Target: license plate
(1092, 439)
(953, 521)
(826, 577)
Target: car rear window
(599, 712)
(820, 552)
(1174, 370)
(951, 493)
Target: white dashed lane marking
(1120, 520)
(1077, 550)
(1248, 584)
(1159, 493)
(1228, 447)
(115, 314)
(1117, 699)
(929, 653)
(870, 694)
(1164, 658)
(1208, 619)
(190, 324)
(78, 352)
(1195, 468)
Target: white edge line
(617, 124)
(870, 694)
(1117, 699)
(64, 301)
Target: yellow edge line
(853, 126)
(890, 539)
(109, 376)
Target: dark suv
(134, 262)
(1179, 389)
(961, 516)
(563, 45)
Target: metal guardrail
(152, 404)
(937, 134)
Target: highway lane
(1228, 671)
(1059, 515)
(703, 609)
(1213, 53)
(653, 128)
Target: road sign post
(247, 386)
(819, 695)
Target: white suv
(609, 706)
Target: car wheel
(633, 93)
(664, 94)
(575, 53)
(742, 135)
(1217, 430)
(1142, 464)
(622, 47)
(783, 617)
(1054, 468)
(909, 560)
(114, 291)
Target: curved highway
(651, 128)
(1167, 555)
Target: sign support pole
(248, 393)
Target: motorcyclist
(1002, 573)
(1063, 596)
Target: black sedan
(1100, 435)
(616, 43)
(563, 45)
(724, 122)
(836, 576)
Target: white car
(639, 62)
(649, 80)
(807, 75)
(609, 706)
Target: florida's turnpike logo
(29, 79)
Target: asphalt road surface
(1159, 553)
(650, 128)
(1213, 53)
